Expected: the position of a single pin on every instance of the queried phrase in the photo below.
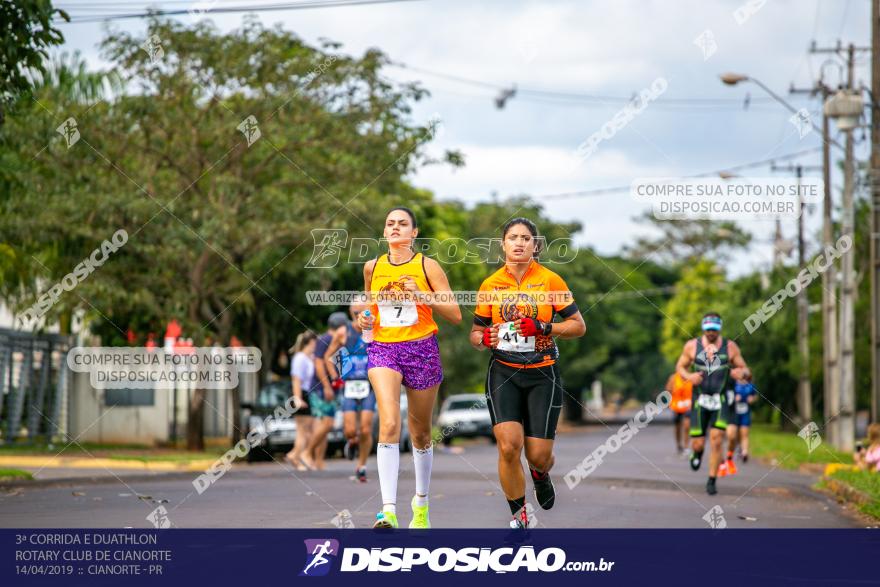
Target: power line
(602, 99)
(210, 8)
(626, 188)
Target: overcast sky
(606, 48)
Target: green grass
(866, 482)
(7, 474)
(789, 449)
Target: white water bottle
(367, 334)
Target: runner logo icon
(320, 553)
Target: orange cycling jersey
(398, 317)
(681, 394)
(540, 294)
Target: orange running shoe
(731, 467)
(722, 469)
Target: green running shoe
(385, 520)
(420, 516)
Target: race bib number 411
(510, 340)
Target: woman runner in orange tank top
(404, 352)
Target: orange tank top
(681, 395)
(399, 319)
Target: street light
(731, 79)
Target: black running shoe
(710, 487)
(350, 450)
(544, 491)
(362, 475)
(745, 458)
(696, 460)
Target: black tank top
(715, 372)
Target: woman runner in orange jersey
(514, 319)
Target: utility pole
(845, 108)
(874, 183)
(804, 393)
(777, 245)
(848, 290)
(830, 342)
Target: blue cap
(711, 323)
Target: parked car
(280, 432)
(464, 416)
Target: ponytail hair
(302, 340)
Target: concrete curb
(93, 480)
(846, 492)
(43, 462)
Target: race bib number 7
(398, 315)
(510, 340)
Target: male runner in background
(716, 361)
(357, 394)
(738, 431)
(681, 390)
(322, 402)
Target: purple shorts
(417, 360)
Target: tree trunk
(572, 410)
(265, 348)
(195, 421)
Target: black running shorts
(703, 419)
(532, 397)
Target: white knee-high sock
(423, 459)
(388, 464)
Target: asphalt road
(643, 485)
